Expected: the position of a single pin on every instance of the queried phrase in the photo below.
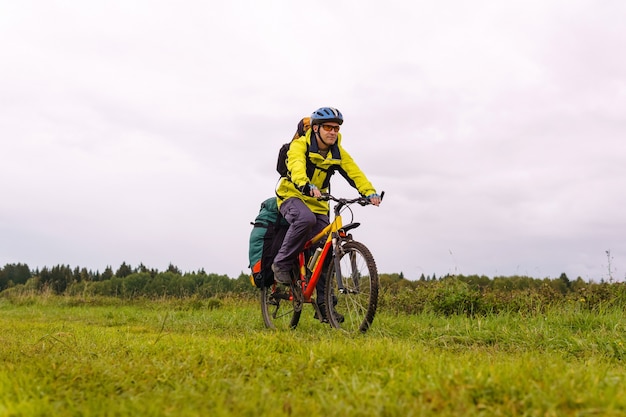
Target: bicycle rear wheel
(357, 298)
(281, 310)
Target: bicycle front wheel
(280, 309)
(351, 301)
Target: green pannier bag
(266, 239)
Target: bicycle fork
(337, 251)
(337, 262)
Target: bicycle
(351, 279)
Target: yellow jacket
(307, 166)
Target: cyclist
(311, 160)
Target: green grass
(104, 357)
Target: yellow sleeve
(296, 161)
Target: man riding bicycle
(311, 160)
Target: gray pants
(303, 225)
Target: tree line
(449, 294)
(126, 281)
(480, 295)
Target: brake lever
(324, 197)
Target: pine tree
(124, 270)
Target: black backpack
(281, 164)
(266, 239)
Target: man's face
(328, 132)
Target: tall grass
(107, 357)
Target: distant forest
(126, 281)
(449, 294)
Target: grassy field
(104, 357)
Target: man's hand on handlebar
(374, 199)
(314, 191)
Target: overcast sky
(147, 131)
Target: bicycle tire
(359, 300)
(279, 308)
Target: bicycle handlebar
(364, 201)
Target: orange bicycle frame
(328, 232)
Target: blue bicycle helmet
(326, 114)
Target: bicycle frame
(331, 231)
(334, 232)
